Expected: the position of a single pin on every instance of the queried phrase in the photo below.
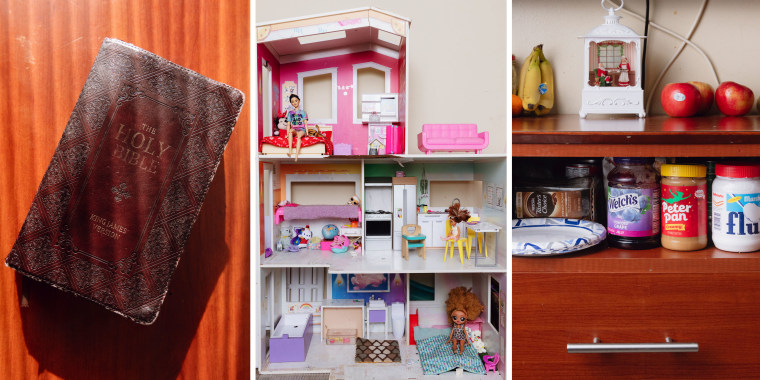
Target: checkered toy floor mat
(377, 351)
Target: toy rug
(377, 351)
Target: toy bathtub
(291, 338)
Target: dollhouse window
(369, 78)
(422, 286)
(319, 95)
(609, 54)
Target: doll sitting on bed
(462, 305)
(297, 125)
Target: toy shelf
(379, 262)
(660, 136)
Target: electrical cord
(644, 50)
(685, 41)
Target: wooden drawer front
(721, 312)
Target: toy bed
(318, 212)
(436, 357)
(291, 338)
(309, 144)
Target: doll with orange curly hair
(462, 305)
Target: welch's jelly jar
(736, 207)
(633, 204)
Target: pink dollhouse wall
(263, 53)
(345, 131)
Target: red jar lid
(737, 170)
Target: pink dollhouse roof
(362, 26)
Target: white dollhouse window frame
(321, 178)
(356, 68)
(333, 71)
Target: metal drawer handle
(604, 348)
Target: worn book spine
(127, 180)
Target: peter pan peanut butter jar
(684, 207)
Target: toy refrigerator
(379, 112)
(404, 206)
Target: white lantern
(612, 71)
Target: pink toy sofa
(451, 137)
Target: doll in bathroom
(297, 124)
(456, 216)
(462, 306)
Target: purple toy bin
(291, 338)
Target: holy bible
(126, 182)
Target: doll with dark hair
(456, 216)
(297, 125)
(462, 305)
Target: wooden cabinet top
(660, 136)
(404, 180)
(659, 260)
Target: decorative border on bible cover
(123, 189)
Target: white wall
(722, 33)
(457, 60)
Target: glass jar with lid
(633, 204)
(684, 207)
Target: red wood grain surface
(716, 310)
(46, 51)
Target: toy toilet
(398, 318)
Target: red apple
(734, 99)
(707, 93)
(680, 99)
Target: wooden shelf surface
(602, 259)
(661, 136)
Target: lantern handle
(611, 9)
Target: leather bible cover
(123, 189)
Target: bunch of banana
(536, 89)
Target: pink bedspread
(318, 212)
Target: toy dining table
(481, 228)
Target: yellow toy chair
(479, 236)
(452, 242)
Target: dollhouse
(348, 289)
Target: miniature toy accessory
(340, 244)
(412, 239)
(490, 362)
(267, 252)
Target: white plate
(554, 236)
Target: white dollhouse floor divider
(377, 262)
(338, 361)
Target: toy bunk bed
(318, 212)
(310, 145)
